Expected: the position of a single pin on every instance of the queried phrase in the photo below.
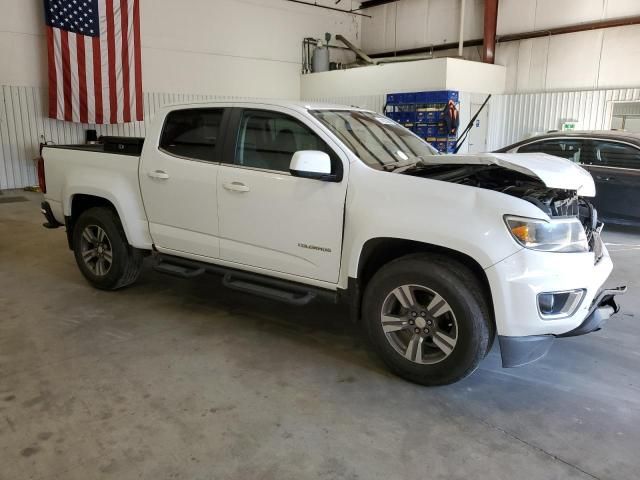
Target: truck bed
(106, 170)
(116, 145)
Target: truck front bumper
(516, 282)
(518, 351)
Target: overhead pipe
(358, 51)
(580, 27)
(490, 26)
(461, 38)
(409, 58)
(314, 42)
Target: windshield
(376, 140)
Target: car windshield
(376, 140)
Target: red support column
(490, 25)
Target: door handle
(159, 174)
(236, 187)
(604, 179)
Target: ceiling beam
(513, 37)
(316, 5)
(374, 3)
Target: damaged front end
(555, 202)
(561, 199)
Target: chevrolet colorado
(436, 254)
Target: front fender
(465, 219)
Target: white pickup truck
(436, 254)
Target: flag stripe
(66, 75)
(97, 79)
(137, 49)
(73, 68)
(119, 92)
(57, 41)
(53, 84)
(111, 44)
(126, 86)
(88, 79)
(82, 78)
(131, 100)
(105, 63)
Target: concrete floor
(185, 379)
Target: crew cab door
(178, 179)
(270, 219)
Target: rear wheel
(426, 319)
(102, 252)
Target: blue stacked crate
(423, 113)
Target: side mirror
(311, 164)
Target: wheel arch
(80, 203)
(378, 252)
(124, 203)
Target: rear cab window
(192, 133)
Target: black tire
(454, 283)
(126, 261)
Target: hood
(554, 172)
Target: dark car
(612, 158)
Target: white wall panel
(222, 47)
(596, 59)
(518, 116)
(24, 123)
(416, 76)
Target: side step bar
(237, 282)
(256, 284)
(178, 270)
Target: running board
(180, 271)
(260, 285)
(291, 296)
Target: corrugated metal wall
(24, 123)
(23, 120)
(518, 116)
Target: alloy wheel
(96, 250)
(419, 324)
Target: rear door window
(192, 133)
(615, 154)
(571, 149)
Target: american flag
(95, 68)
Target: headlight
(562, 235)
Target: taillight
(41, 180)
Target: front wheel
(426, 319)
(102, 252)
